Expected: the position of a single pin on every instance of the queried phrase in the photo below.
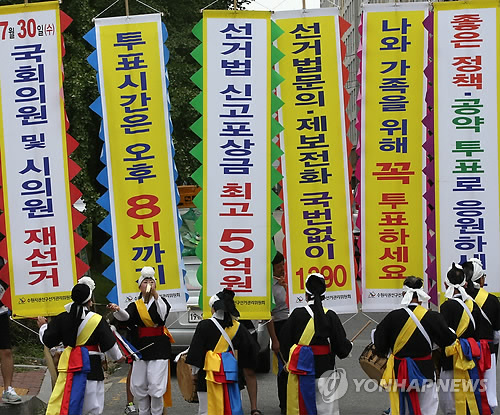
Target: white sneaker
(130, 409)
(10, 396)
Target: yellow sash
(465, 319)
(215, 390)
(465, 394)
(146, 318)
(292, 402)
(54, 405)
(148, 322)
(388, 380)
(481, 297)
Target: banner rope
(208, 5)
(106, 9)
(358, 313)
(22, 325)
(147, 5)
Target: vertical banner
(466, 135)
(316, 186)
(237, 159)
(392, 108)
(141, 173)
(37, 204)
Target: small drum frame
(372, 364)
(186, 380)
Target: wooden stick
(235, 4)
(304, 4)
(50, 365)
(361, 331)
(138, 351)
(282, 358)
(126, 8)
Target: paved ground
(357, 401)
(353, 403)
(28, 383)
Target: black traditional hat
(315, 285)
(224, 301)
(81, 294)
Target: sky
(275, 5)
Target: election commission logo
(332, 385)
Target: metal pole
(126, 8)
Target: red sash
(150, 331)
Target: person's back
(206, 337)
(59, 330)
(309, 336)
(218, 339)
(83, 333)
(417, 345)
(335, 338)
(452, 312)
(490, 320)
(462, 316)
(489, 326)
(487, 302)
(408, 335)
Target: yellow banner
(316, 185)
(394, 57)
(140, 167)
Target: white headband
(146, 272)
(478, 271)
(219, 314)
(460, 287)
(87, 281)
(408, 297)
(212, 300)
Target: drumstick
(361, 331)
(139, 350)
(282, 358)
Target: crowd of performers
(306, 344)
(466, 333)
